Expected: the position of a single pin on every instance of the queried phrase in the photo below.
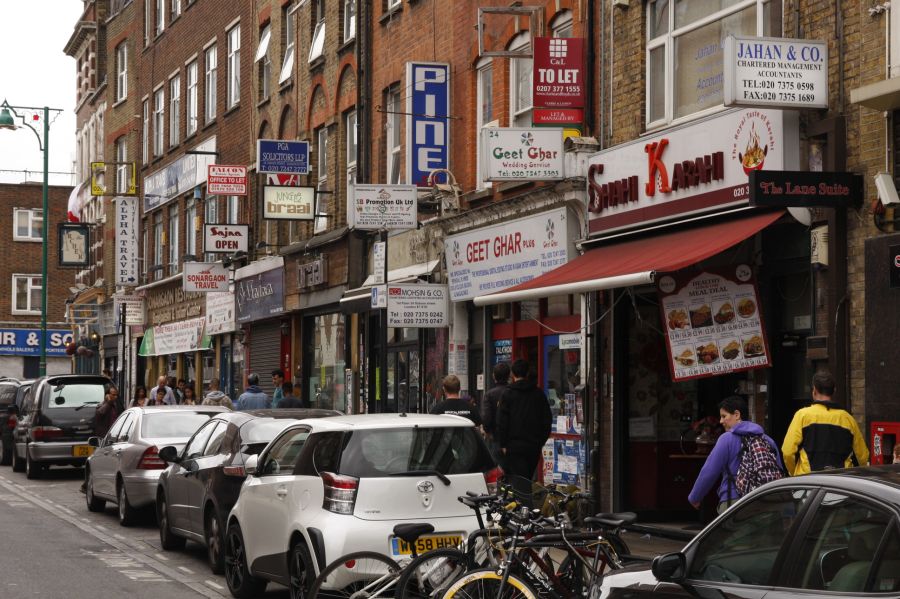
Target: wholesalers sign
(515, 154)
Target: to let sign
(224, 179)
(559, 72)
(807, 189)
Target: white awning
(263, 43)
(405, 273)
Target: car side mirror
(168, 454)
(251, 464)
(94, 441)
(670, 567)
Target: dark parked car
(829, 534)
(9, 389)
(55, 422)
(202, 483)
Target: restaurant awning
(635, 262)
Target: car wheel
(127, 514)
(300, 571)
(18, 463)
(237, 573)
(94, 504)
(33, 470)
(214, 542)
(169, 540)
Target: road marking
(214, 585)
(162, 557)
(186, 570)
(126, 565)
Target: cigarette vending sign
(713, 322)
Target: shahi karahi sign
(713, 322)
(204, 277)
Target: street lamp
(39, 118)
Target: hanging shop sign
(132, 306)
(204, 277)
(126, 250)
(495, 258)
(313, 273)
(289, 202)
(224, 179)
(259, 290)
(219, 313)
(713, 322)
(375, 207)
(175, 338)
(185, 173)
(810, 189)
(517, 154)
(558, 72)
(74, 243)
(689, 170)
(418, 306)
(27, 342)
(282, 156)
(225, 239)
(427, 121)
(768, 71)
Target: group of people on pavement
(822, 436)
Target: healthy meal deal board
(713, 322)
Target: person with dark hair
(107, 412)
(278, 381)
(724, 462)
(823, 436)
(452, 403)
(190, 398)
(500, 376)
(522, 428)
(289, 400)
(254, 398)
(161, 385)
(140, 395)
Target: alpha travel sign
(375, 207)
(204, 277)
(289, 203)
(126, 252)
(225, 239)
(224, 179)
(514, 154)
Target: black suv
(55, 421)
(9, 388)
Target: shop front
(264, 327)
(220, 326)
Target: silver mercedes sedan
(125, 465)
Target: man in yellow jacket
(823, 436)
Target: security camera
(887, 191)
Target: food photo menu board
(713, 322)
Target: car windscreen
(263, 430)
(8, 394)
(75, 395)
(176, 423)
(377, 453)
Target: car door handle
(281, 492)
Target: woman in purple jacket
(726, 454)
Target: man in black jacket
(523, 426)
(489, 403)
(452, 403)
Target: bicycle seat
(612, 520)
(411, 532)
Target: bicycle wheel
(429, 574)
(360, 574)
(485, 584)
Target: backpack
(757, 464)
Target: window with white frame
(121, 71)
(148, 22)
(159, 121)
(392, 135)
(123, 172)
(190, 228)
(233, 93)
(288, 36)
(684, 52)
(160, 16)
(485, 116)
(174, 110)
(191, 110)
(520, 82)
(145, 232)
(392, 4)
(172, 238)
(211, 82)
(176, 9)
(562, 24)
(317, 47)
(322, 199)
(232, 209)
(29, 224)
(211, 217)
(26, 294)
(349, 20)
(264, 65)
(350, 128)
(158, 238)
(145, 132)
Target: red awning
(635, 262)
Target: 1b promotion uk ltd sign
(713, 322)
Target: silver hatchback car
(125, 465)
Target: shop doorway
(403, 372)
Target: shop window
(191, 110)
(392, 135)
(288, 41)
(264, 65)
(684, 53)
(520, 82)
(485, 118)
(174, 111)
(26, 297)
(326, 382)
(29, 224)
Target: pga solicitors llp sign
(27, 342)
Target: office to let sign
(224, 179)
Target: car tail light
(235, 471)
(491, 478)
(46, 433)
(11, 421)
(340, 492)
(150, 460)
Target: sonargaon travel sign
(766, 71)
(204, 277)
(375, 207)
(518, 154)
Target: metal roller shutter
(265, 352)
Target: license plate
(424, 544)
(82, 451)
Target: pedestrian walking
(823, 435)
(140, 393)
(278, 381)
(726, 460)
(190, 398)
(253, 398)
(500, 376)
(160, 399)
(217, 398)
(213, 385)
(178, 389)
(161, 384)
(107, 412)
(288, 399)
(523, 426)
(453, 403)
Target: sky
(34, 71)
